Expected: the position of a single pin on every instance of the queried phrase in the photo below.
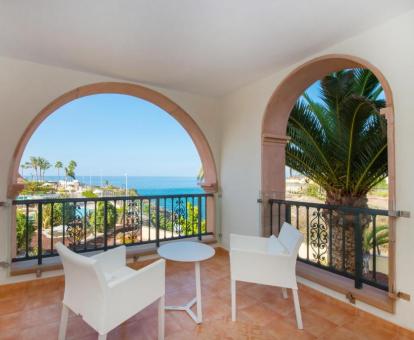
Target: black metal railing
(90, 224)
(352, 242)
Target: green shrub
(21, 229)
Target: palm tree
(28, 165)
(200, 176)
(381, 238)
(23, 167)
(71, 169)
(43, 166)
(58, 166)
(340, 142)
(34, 164)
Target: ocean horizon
(145, 185)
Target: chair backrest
(84, 282)
(291, 238)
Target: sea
(145, 185)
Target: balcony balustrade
(352, 242)
(93, 224)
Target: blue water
(145, 185)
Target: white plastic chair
(105, 292)
(269, 261)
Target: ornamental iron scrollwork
(75, 229)
(134, 219)
(318, 235)
(179, 214)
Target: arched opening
(93, 222)
(154, 97)
(274, 137)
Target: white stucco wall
(390, 47)
(26, 88)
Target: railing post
(63, 222)
(199, 216)
(39, 233)
(157, 222)
(288, 214)
(105, 225)
(271, 216)
(358, 252)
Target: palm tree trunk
(343, 230)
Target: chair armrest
(112, 259)
(248, 243)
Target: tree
(186, 220)
(89, 194)
(98, 216)
(28, 165)
(70, 169)
(69, 213)
(21, 230)
(58, 166)
(381, 237)
(34, 164)
(340, 142)
(200, 175)
(22, 167)
(36, 188)
(43, 165)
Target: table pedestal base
(197, 300)
(186, 308)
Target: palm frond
(340, 140)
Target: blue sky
(113, 134)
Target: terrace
(236, 108)
(31, 310)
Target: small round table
(188, 252)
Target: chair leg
(284, 293)
(233, 300)
(297, 308)
(161, 317)
(63, 322)
(102, 337)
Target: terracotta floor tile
(40, 316)
(11, 305)
(340, 333)
(368, 330)
(333, 313)
(312, 323)
(40, 331)
(403, 337)
(32, 311)
(10, 334)
(10, 321)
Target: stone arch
(274, 137)
(156, 98)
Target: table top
(186, 251)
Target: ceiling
(209, 47)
